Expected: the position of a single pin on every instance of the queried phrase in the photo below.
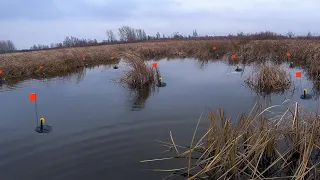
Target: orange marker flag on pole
(32, 97)
(233, 56)
(288, 54)
(112, 58)
(41, 67)
(0, 71)
(214, 48)
(83, 59)
(298, 74)
(154, 65)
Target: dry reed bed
(269, 78)
(285, 146)
(139, 75)
(304, 53)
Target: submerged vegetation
(285, 146)
(269, 78)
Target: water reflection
(78, 75)
(139, 97)
(202, 64)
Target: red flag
(298, 74)
(214, 48)
(154, 65)
(233, 56)
(41, 67)
(32, 97)
(288, 54)
(112, 58)
(0, 71)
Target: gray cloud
(46, 21)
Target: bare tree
(290, 34)
(111, 36)
(158, 36)
(195, 33)
(127, 33)
(7, 46)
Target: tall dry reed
(304, 53)
(269, 78)
(285, 146)
(139, 74)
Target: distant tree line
(127, 34)
(7, 46)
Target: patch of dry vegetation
(139, 74)
(286, 146)
(304, 53)
(269, 78)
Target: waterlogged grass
(285, 146)
(269, 78)
(139, 75)
(304, 53)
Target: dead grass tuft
(269, 78)
(139, 74)
(256, 146)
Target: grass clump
(285, 146)
(140, 74)
(269, 78)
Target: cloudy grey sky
(28, 22)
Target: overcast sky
(28, 22)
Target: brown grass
(269, 78)
(285, 146)
(304, 53)
(140, 74)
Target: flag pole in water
(42, 128)
(158, 77)
(304, 95)
(238, 69)
(2, 78)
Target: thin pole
(301, 84)
(35, 107)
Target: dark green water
(102, 130)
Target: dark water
(101, 130)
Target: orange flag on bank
(288, 54)
(154, 65)
(233, 56)
(298, 74)
(32, 97)
(0, 71)
(112, 58)
(41, 67)
(214, 48)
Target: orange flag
(0, 71)
(288, 54)
(298, 74)
(32, 97)
(41, 67)
(214, 48)
(112, 58)
(233, 56)
(154, 65)
(83, 59)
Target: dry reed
(269, 78)
(304, 53)
(140, 74)
(285, 146)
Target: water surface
(101, 130)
